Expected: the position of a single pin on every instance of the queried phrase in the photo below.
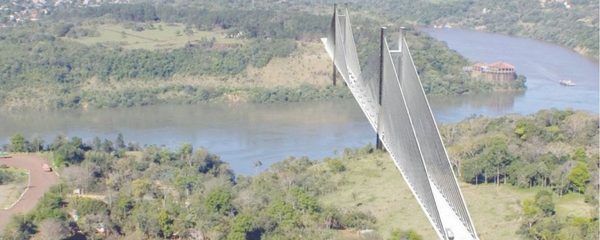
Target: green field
(155, 36)
(11, 191)
(373, 184)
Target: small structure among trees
(498, 71)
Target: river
(246, 133)
(543, 64)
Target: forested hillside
(551, 149)
(140, 54)
(555, 150)
(532, 176)
(573, 24)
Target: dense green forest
(573, 24)
(157, 193)
(46, 65)
(557, 150)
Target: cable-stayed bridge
(397, 109)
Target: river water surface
(543, 64)
(247, 133)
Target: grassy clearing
(373, 184)
(309, 64)
(10, 192)
(572, 204)
(160, 36)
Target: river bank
(243, 132)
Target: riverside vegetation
(141, 54)
(531, 177)
(573, 24)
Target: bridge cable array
(396, 106)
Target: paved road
(40, 182)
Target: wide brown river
(245, 134)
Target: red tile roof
(502, 65)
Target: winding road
(39, 183)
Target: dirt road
(40, 182)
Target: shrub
(85, 206)
(358, 220)
(6, 176)
(219, 201)
(336, 165)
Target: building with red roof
(498, 71)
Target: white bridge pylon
(397, 109)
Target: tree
(88, 223)
(242, 224)
(560, 176)
(304, 201)
(97, 144)
(71, 152)
(120, 142)
(580, 155)
(208, 163)
(51, 229)
(78, 177)
(20, 227)
(146, 219)
(543, 200)
(185, 153)
(579, 176)
(496, 156)
(140, 187)
(77, 142)
(531, 213)
(166, 223)
(37, 144)
(219, 201)
(524, 129)
(18, 143)
(107, 146)
(58, 142)
(539, 221)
